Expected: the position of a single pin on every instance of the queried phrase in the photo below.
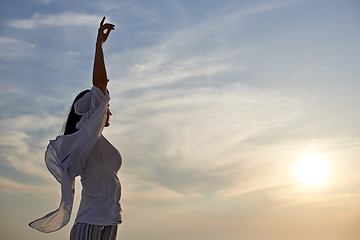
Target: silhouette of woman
(84, 151)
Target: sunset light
(312, 170)
(233, 119)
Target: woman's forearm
(100, 79)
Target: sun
(312, 170)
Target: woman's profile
(83, 151)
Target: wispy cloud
(196, 122)
(18, 148)
(64, 19)
(44, 2)
(205, 49)
(12, 49)
(213, 105)
(264, 7)
(8, 186)
(197, 140)
(185, 105)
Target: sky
(235, 119)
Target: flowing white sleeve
(65, 157)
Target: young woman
(84, 151)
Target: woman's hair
(73, 118)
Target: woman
(84, 151)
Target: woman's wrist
(99, 41)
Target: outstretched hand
(104, 31)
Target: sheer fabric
(66, 156)
(101, 188)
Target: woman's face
(108, 118)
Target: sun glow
(312, 170)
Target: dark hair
(73, 118)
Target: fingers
(105, 29)
(108, 26)
(102, 22)
(105, 34)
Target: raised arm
(100, 79)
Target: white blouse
(89, 154)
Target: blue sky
(215, 106)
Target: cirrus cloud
(59, 20)
(11, 48)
